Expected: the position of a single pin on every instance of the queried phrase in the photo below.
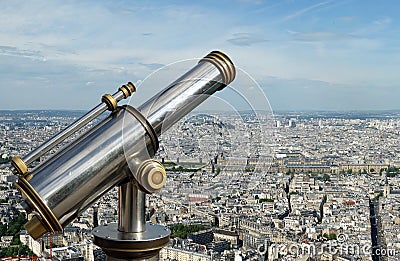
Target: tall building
(95, 216)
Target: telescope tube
(211, 74)
(116, 150)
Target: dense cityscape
(243, 186)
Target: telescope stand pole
(132, 238)
(131, 209)
(131, 212)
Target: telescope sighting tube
(117, 150)
(108, 102)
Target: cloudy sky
(305, 55)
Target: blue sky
(305, 55)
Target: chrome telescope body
(116, 151)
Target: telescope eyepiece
(223, 64)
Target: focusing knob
(151, 175)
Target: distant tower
(95, 216)
(216, 221)
(386, 189)
(278, 124)
(212, 166)
(292, 123)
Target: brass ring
(129, 250)
(223, 64)
(50, 221)
(146, 125)
(127, 89)
(124, 90)
(19, 165)
(110, 101)
(227, 65)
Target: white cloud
(383, 21)
(245, 39)
(305, 10)
(320, 36)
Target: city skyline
(309, 55)
(323, 180)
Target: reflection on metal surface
(131, 208)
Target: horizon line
(224, 111)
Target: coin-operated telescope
(117, 151)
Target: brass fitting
(127, 89)
(151, 176)
(110, 101)
(35, 227)
(19, 165)
(224, 65)
(48, 222)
